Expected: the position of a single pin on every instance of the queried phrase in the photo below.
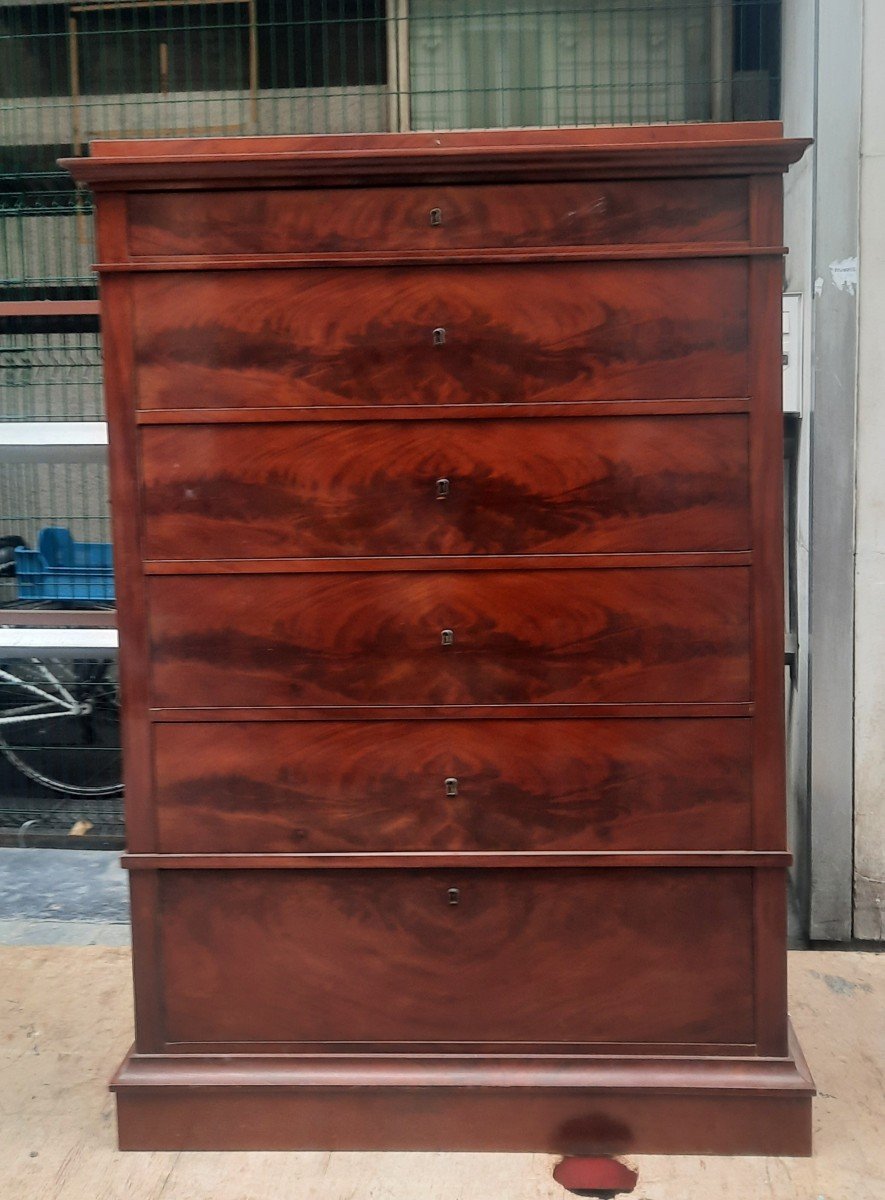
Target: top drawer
(289, 221)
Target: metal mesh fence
(131, 68)
(50, 376)
(73, 72)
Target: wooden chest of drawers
(446, 488)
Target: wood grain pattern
(482, 1118)
(441, 412)
(473, 712)
(352, 150)
(275, 221)
(524, 256)
(612, 1101)
(632, 700)
(518, 860)
(383, 955)
(370, 488)
(519, 637)
(432, 1116)
(517, 156)
(441, 562)
(513, 333)
(521, 785)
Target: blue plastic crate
(64, 569)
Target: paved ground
(62, 898)
(65, 1021)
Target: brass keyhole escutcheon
(454, 895)
(443, 487)
(452, 787)
(436, 216)
(439, 336)
(447, 637)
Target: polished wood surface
(442, 412)
(519, 637)
(755, 860)
(539, 785)
(639, 152)
(389, 957)
(525, 889)
(483, 487)
(754, 1106)
(438, 218)
(513, 334)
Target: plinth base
(576, 1106)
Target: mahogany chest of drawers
(447, 491)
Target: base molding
(576, 1105)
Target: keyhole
(443, 487)
(439, 337)
(454, 895)
(447, 637)
(451, 787)
(436, 216)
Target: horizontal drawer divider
(460, 860)
(438, 258)
(434, 412)
(650, 1073)
(477, 1051)
(477, 562)
(381, 712)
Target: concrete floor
(65, 1020)
(62, 898)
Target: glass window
(559, 62)
(321, 43)
(161, 48)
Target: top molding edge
(498, 155)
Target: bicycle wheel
(60, 724)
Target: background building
(71, 72)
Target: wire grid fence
(50, 375)
(70, 73)
(74, 72)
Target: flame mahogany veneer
(447, 502)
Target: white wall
(869, 740)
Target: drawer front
(517, 637)
(267, 787)
(444, 488)
(577, 956)
(514, 334)
(279, 221)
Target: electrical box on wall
(792, 353)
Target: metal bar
(74, 65)
(398, 63)
(49, 308)
(837, 165)
(111, 5)
(57, 643)
(53, 441)
(253, 65)
(720, 59)
(55, 618)
(26, 686)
